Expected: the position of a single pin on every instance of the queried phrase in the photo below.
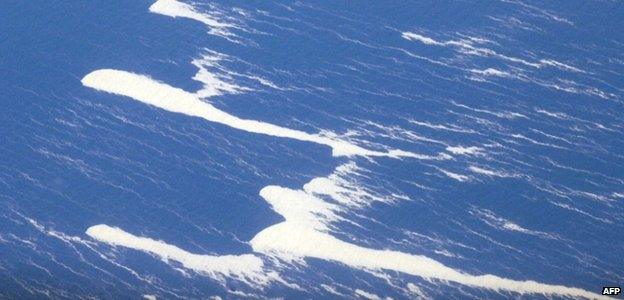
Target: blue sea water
(523, 98)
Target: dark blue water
(547, 119)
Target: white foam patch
(307, 213)
(304, 233)
(247, 268)
(149, 91)
(175, 9)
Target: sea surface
(311, 149)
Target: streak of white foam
(483, 171)
(491, 72)
(72, 242)
(558, 115)
(247, 268)
(214, 84)
(147, 90)
(460, 150)
(458, 177)
(490, 173)
(582, 212)
(325, 186)
(416, 291)
(570, 86)
(367, 295)
(499, 223)
(332, 290)
(467, 46)
(346, 192)
(560, 65)
(522, 137)
(304, 234)
(218, 80)
(395, 133)
(504, 114)
(452, 128)
(421, 38)
(430, 41)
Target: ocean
(311, 150)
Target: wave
(247, 268)
(147, 90)
(305, 233)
